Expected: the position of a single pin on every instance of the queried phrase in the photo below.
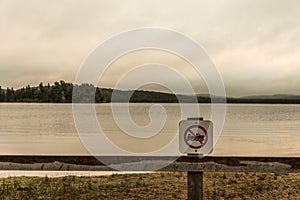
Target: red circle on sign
(202, 142)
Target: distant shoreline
(63, 92)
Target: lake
(49, 129)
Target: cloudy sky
(255, 44)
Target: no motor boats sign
(195, 136)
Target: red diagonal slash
(196, 137)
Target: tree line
(62, 92)
(59, 92)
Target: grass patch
(152, 186)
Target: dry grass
(153, 186)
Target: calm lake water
(250, 130)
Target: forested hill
(59, 92)
(62, 92)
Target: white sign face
(196, 136)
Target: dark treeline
(59, 92)
(62, 92)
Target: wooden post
(195, 185)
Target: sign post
(195, 185)
(195, 138)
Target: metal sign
(196, 136)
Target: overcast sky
(255, 44)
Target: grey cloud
(252, 42)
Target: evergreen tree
(2, 95)
(98, 96)
(10, 95)
(60, 92)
